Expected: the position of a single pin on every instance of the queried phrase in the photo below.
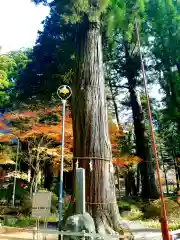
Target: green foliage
(10, 67)
(148, 213)
(7, 64)
(153, 209)
(21, 194)
(122, 16)
(6, 67)
(54, 55)
(92, 9)
(125, 206)
(129, 210)
(21, 60)
(164, 27)
(22, 222)
(50, 119)
(54, 203)
(165, 22)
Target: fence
(47, 234)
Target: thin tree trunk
(149, 188)
(164, 170)
(127, 184)
(48, 175)
(138, 180)
(36, 177)
(90, 125)
(176, 169)
(133, 184)
(165, 176)
(32, 186)
(118, 178)
(115, 105)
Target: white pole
(14, 185)
(64, 92)
(61, 168)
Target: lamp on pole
(14, 184)
(64, 93)
(163, 219)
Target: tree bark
(149, 188)
(48, 175)
(90, 127)
(127, 185)
(130, 183)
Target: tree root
(106, 222)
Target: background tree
(124, 63)
(10, 66)
(164, 45)
(52, 59)
(39, 135)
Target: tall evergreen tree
(52, 59)
(91, 141)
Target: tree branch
(120, 86)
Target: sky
(20, 21)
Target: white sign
(41, 205)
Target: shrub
(129, 211)
(124, 206)
(24, 222)
(26, 206)
(153, 209)
(54, 203)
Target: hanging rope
(100, 203)
(92, 158)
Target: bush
(153, 209)
(124, 206)
(26, 207)
(54, 203)
(24, 222)
(129, 211)
(6, 193)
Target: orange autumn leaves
(119, 159)
(27, 125)
(31, 126)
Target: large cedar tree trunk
(90, 126)
(148, 183)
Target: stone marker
(80, 191)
